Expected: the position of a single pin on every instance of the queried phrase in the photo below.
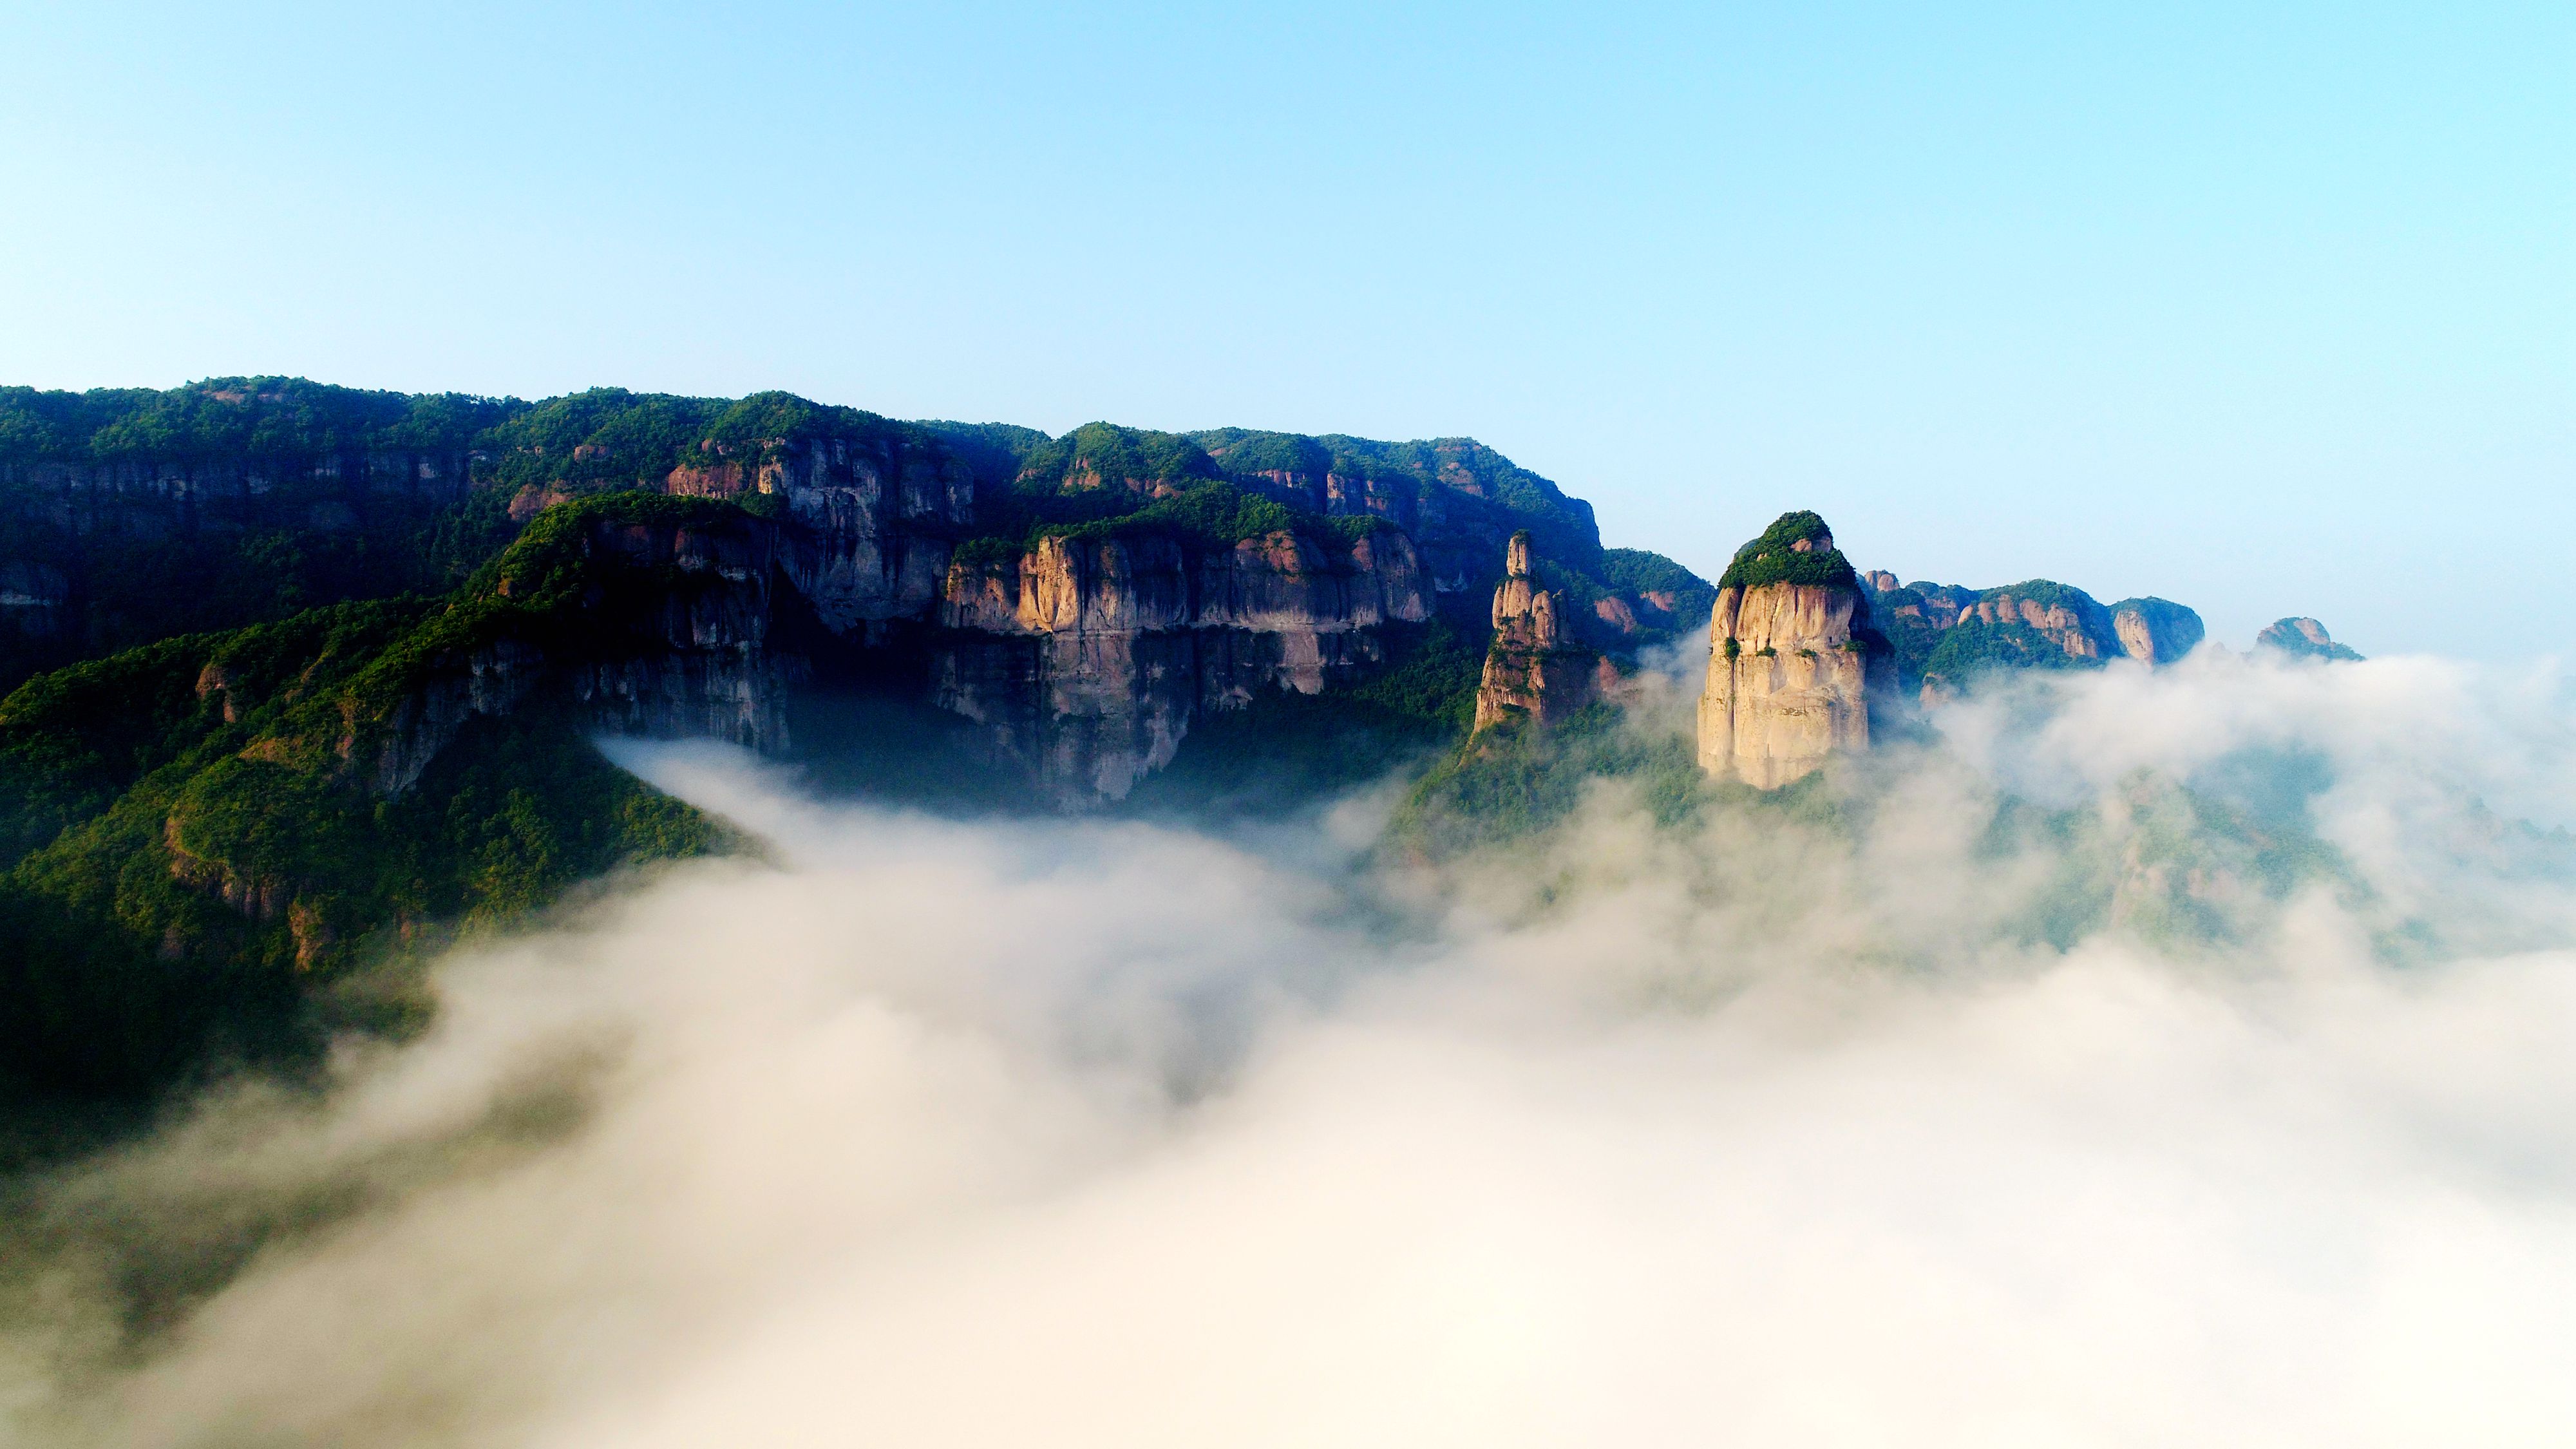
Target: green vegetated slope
(193, 851)
(1517, 781)
(1207, 513)
(609, 439)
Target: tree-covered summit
(1776, 557)
(255, 419)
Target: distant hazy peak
(2303, 638)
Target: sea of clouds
(1770, 1129)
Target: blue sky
(2269, 309)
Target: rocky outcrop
(2302, 638)
(1536, 668)
(1794, 668)
(1944, 635)
(2155, 631)
(1086, 660)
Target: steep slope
(203, 833)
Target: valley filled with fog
(2133, 1058)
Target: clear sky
(2269, 309)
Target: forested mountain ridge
(310, 674)
(329, 659)
(128, 515)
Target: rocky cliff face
(164, 499)
(874, 520)
(2155, 631)
(1085, 661)
(1794, 667)
(99, 552)
(33, 598)
(1536, 669)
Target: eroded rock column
(1792, 662)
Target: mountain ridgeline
(305, 677)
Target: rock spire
(1793, 665)
(1536, 669)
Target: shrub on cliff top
(1774, 558)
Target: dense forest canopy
(265, 418)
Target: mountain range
(304, 676)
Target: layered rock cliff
(2068, 619)
(1794, 667)
(875, 518)
(1086, 660)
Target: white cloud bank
(1090, 1134)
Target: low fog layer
(1788, 1126)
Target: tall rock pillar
(1534, 670)
(1793, 663)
